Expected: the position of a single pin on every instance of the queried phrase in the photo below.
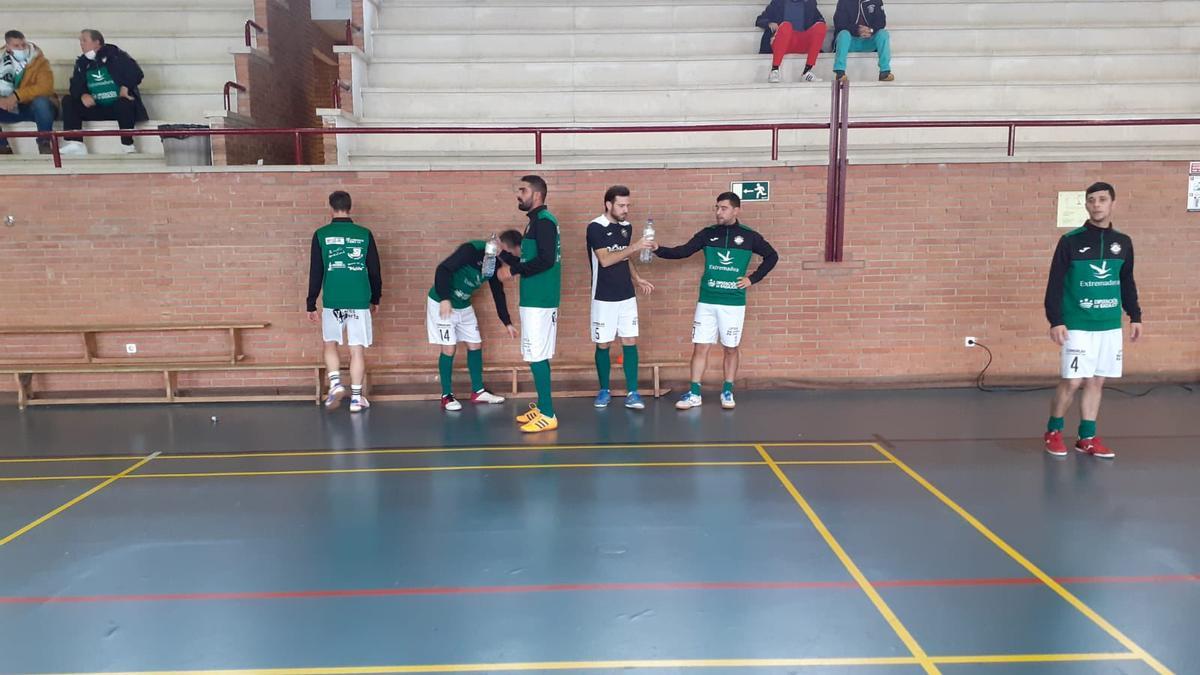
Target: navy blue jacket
(774, 14)
(850, 14)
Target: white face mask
(22, 55)
(90, 54)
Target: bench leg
(317, 374)
(514, 382)
(23, 383)
(657, 389)
(169, 385)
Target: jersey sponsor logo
(354, 253)
(726, 258)
(351, 240)
(336, 265)
(1085, 249)
(461, 294)
(1115, 249)
(617, 247)
(1102, 303)
(339, 241)
(344, 315)
(723, 285)
(356, 267)
(1101, 271)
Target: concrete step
(760, 101)
(157, 47)
(106, 145)
(540, 45)
(125, 18)
(458, 16)
(454, 75)
(200, 76)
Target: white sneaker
(485, 396)
(688, 401)
(129, 149)
(359, 403)
(774, 77)
(334, 398)
(810, 76)
(72, 148)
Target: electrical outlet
(968, 341)
(130, 348)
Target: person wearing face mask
(104, 86)
(26, 89)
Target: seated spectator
(861, 26)
(104, 86)
(792, 27)
(26, 89)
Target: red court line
(561, 588)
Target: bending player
(450, 318)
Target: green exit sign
(752, 190)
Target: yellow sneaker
(528, 415)
(539, 424)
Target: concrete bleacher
(621, 62)
(184, 49)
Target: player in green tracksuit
(540, 269)
(721, 311)
(1091, 283)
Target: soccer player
(721, 310)
(450, 318)
(540, 269)
(344, 270)
(1091, 282)
(614, 304)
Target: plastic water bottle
(490, 250)
(648, 234)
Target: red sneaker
(1094, 447)
(1054, 444)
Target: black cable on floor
(979, 382)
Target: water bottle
(490, 250)
(648, 235)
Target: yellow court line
(652, 663)
(909, 641)
(480, 467)
(73, 502)
(1033, 569)
(403, 451)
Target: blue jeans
(40, 110)
(880, 42)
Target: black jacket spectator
(774, 14)
(124, 70)
(850, 14)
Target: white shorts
(462, 326)
(354, 323)
(610, 319)
(718, 321)
(539, 332)
(1092, 353)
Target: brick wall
(936, 253)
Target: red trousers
(788, 40)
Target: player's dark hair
(14, 35)
(731, 198)
(538, 185)
(611, 194)
(1102, 187)
(340, 201)
(510, 238)
(94, 35)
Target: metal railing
(227, 92)
(838, 126)
(252, 24)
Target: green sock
(475, 366)
(541, 380)
(696, 388)
(630, 355)
(728, 387)
(603, 366)
(1055, 424)
(1087, 428)
(446, 372)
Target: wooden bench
(87, 341)
(513, 374)
(26, 396)
(170, 371)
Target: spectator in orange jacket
(26, 88)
